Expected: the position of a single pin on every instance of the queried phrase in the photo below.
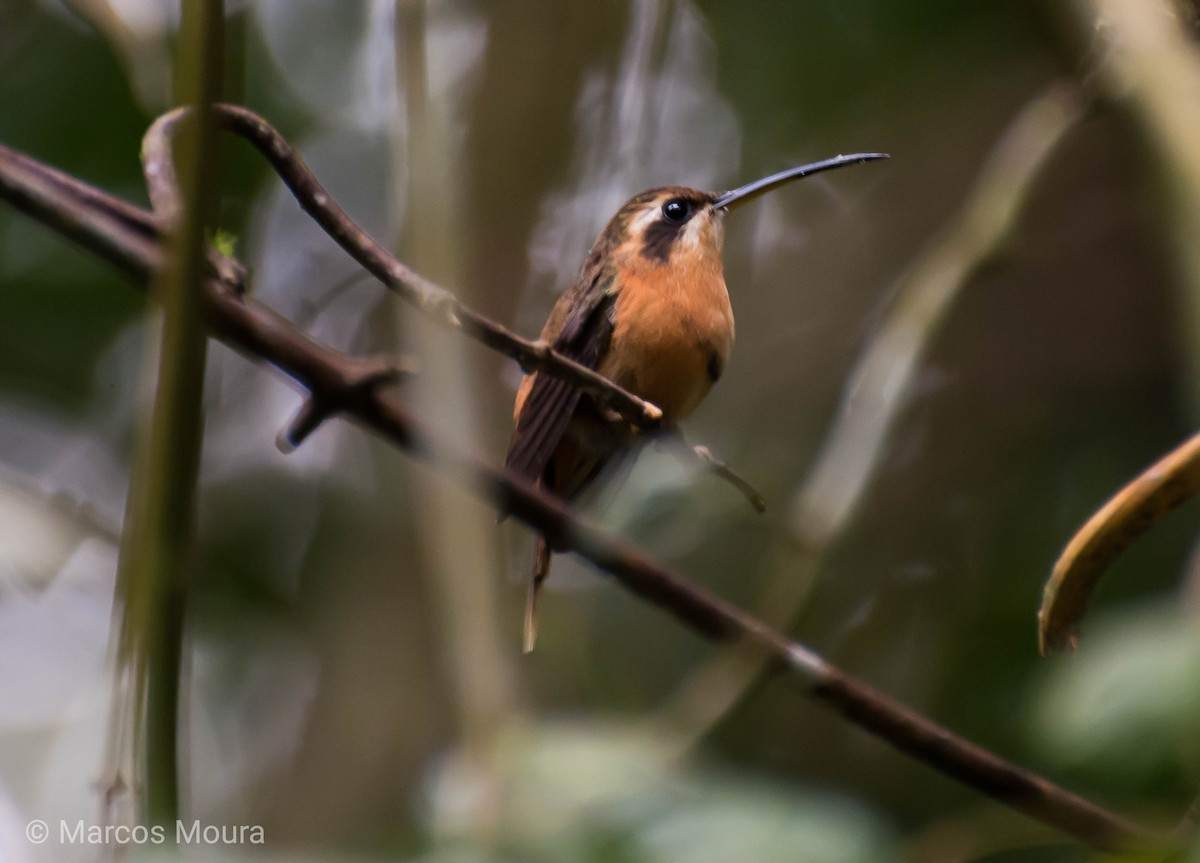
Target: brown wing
(547, 411)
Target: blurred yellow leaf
(1131, 512)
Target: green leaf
(1128, 705)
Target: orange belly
(670, 373)
(666, 345)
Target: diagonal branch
(262, 334)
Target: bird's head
(667, 222)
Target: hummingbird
(650, 312)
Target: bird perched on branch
(651, 313)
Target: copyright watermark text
(183, 833)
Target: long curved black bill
(750, 191)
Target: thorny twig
(436, 301)
(262, 334)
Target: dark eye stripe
(659, 237)
(662, 233)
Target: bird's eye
(677, 210)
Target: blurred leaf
(225, 242)
(749, 822)
(1128, 706)
(613, 793)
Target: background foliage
(356, 683)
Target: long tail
(541, 570)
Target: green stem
(157, 545)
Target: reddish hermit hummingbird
(651, 313)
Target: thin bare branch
(262, 334)
(359, 378)
(440, 304)
(427, 296)
(720, 470)
(42, 193)
(725, 472)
